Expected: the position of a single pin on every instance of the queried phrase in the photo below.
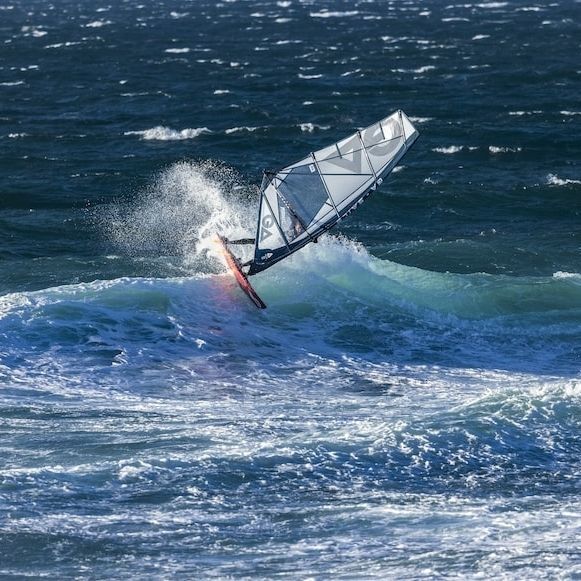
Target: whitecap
(480, 36)
(177, 50)
(161, 133)
(61, 44)
(301, 76)
(497, 149)
(11, 83)
(554, 180)
(334, 14)
(568, 275)
(349, 73)
(240, 130)
(97, 23)
(448, 150)
(420, 119)
(310, 127)
(570, 113)
(521, 113)
(33, 31)
(418, 71)
(221, 92)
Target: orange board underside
(239, 275)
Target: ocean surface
(408, 406)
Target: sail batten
(306, 198)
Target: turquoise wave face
(332, 299)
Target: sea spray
(177, 216)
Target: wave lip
(162, 133)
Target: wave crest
(161, 133)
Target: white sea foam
(349, 73)
(311, 127)
(448, 150)
(334, 14)
(418, 71)
(420, 119)
(97, 23)
(554, 180)
(567, 275)
(570, 113)
(177, 50)
(61, 44)
(307, 77)
(11, 83)
(161, 133)
(480, 36)
(221, 92)
(492, 5)
(494, 149)
(242, 129)
(34, 31)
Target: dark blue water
(408, 406)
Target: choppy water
(408, 406)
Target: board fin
(236, 269)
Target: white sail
(303, 200)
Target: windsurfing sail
(301, 201)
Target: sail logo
(381, 141)
(266, 223)
(350, 148)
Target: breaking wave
(161, 133)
